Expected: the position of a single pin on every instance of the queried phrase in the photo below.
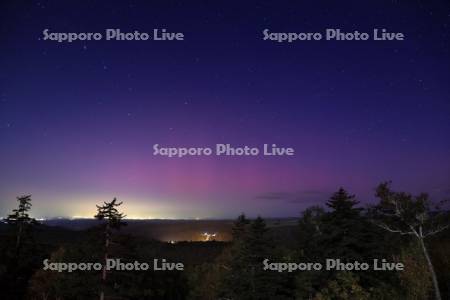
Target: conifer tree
(21, 219)
(263, 283)
(343, 204)
(109, 213)
(343, 228)
(21, 261)
(236, 282)
(310, 231)
(247, 278)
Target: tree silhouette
(343, 203)
(246, 279)
(21, 260)
(343, 228)
(21, 219)
(263, 284)
(236, 281)
(108, 212)
(342, 232)
(401, 213)
(310, 231)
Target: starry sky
(78, 120)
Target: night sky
(78, 120)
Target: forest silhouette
(400, 227)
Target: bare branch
(386, 227)
(437, 230)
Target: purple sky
(78, 121)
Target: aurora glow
(78, 121)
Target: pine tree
(342, 204)
(21, 219)
(343, 230)
(311, 225)
(24, 258)
(348, 235)
(310, 231)
(263, 283)
(236, 281)
(109, 212)
(247, 280)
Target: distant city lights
(208, 236)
